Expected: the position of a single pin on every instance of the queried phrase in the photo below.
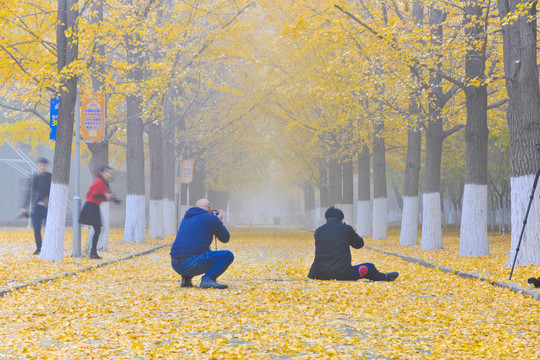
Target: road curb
(462, 274)
(88, 268)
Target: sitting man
(333, 255)
(190, 252)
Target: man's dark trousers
(39, 214)
(211, 263)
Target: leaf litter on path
(136, 309)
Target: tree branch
(447, 133)
(497, 104)
(31, 111)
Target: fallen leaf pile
(135, 309)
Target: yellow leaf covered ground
(18, 265)
(135, 309)
(492, 267)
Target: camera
(215, 212)
(116, 200)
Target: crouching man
(190, 252)
(333, 254)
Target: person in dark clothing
(98, 192)
(333, 254)
(190, 252)
(38, 197)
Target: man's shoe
(391, 276)
(207, 283)
(94, 256)
(186, 282)
(37, 252)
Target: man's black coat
(332, 250)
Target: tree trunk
(397, 194)
(169, 162)
(67, 52)
(380, 213)
(348, 191)
(521, 74)
(184, 201)
(431, 222)
(324, 198)
(363, 211)
(197, 188)
(135, 224)
(334, 182)
(156, 228)
(473, 235)
(409, 219)
(309, 207)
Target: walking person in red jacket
(98, 192)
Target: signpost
(92, 118)
(89, 127)
(55, 103)
(186, 176)
(187, 171)
(77, 196)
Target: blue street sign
(55, 102)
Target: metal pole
(179, 193)
(525, 221)
(77, 191)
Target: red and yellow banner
(187, 171)
(93, 118)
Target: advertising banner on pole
(187, 171)
(53, 121)
(93, 118)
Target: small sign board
(187, 171)
(53, 122)
(93, 118)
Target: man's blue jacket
(196, 233)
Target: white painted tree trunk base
(169, 217)
(473, 239)
(409, 222)
(320, 216)
(156, 228)
(348, 211)
(52, 248)
(315, 218)
(103, 241)
(183, 209)
(312, 219)
(135, 225)
(363, 218)
(431, 222)
(380, 219)
(529, 250)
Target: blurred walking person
(98, 192)
(37, 196)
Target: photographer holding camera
(190, 252)
(98, 192)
